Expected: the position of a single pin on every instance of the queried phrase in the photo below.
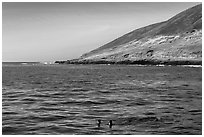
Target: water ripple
(69, 99)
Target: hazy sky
(61, 31)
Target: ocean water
(69, 99)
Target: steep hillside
(137, 34)
(177, 39)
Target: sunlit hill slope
(175, 41)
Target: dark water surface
(69, 99)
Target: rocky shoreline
(138, 62)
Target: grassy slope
(183, 22)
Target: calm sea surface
(69, 99)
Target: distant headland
(177, 41)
